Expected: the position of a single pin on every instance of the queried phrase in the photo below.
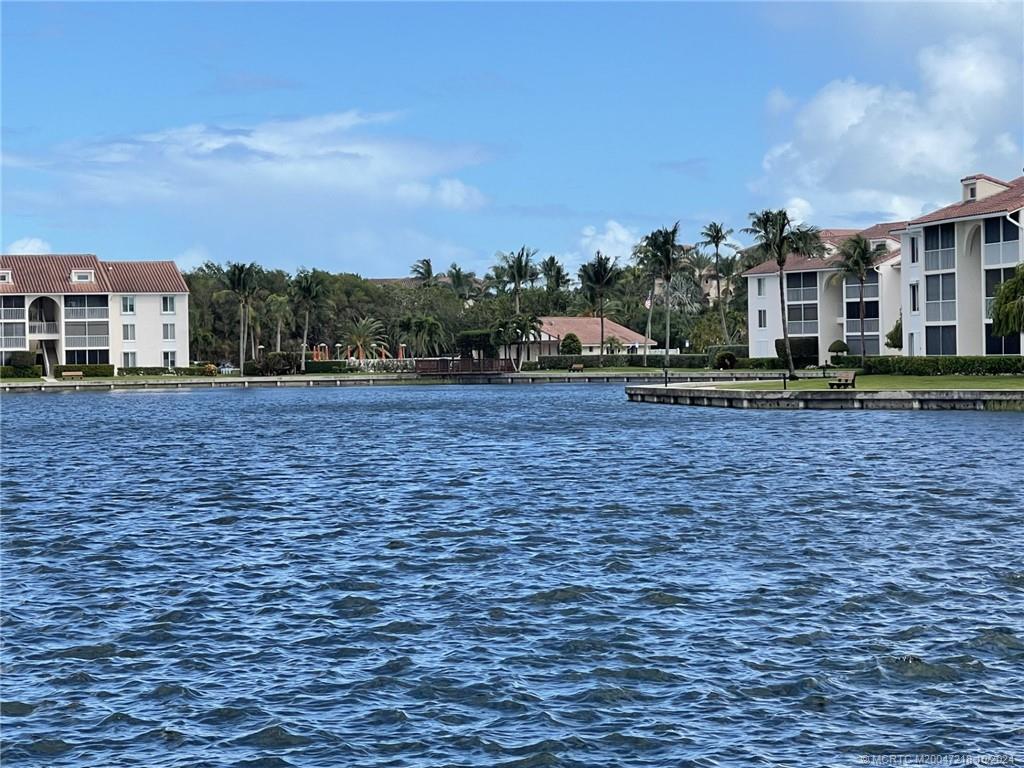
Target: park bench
(576, 368)
(844, 380)
(71, 374)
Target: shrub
(725, 360)
(738, 351)
(21, 372)
(530, 365)
(327, 366)
(838, 347)
(142, 371)
(570, 345)
(805, 350)
(87, 370)
(557, 362)
(761, 363)
(196, 370)
(23, 359)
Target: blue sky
(361, 137)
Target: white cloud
(799, 209)
(29, 246)
(863, 151)
(334, 156)
(192, 257)
(778, 101)
(614, 240)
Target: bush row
(87, 370)
(556, 362)
(893, 365)
(738, 351)
(21, 372)
(154, 370)
(761, 363)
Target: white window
(128, 359)
(760, 288)
(762, 318)
(128, 332)
(168, 305)
(5, 275)
(168, 331)
(82, 276)
(127, 305)
(940, 300)
(913, 250)
(915, 297)
(169, 360)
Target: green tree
(512, 332)
(309, 293)
(598, 277)
(716, 235)
(366, 337)
(463, 283)
(570, 345)
(1008, 306)
(556, 279)
(517, 269)
(777, 237)
(423, 270)
(242, 282)
(661, 257)
(894, 338)
(279, 312)
(857, 259)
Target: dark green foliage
(139, 371)
(475, 340)
(725, 361)
(570, 345)
(737, 350)
(21, 372)
(327, 366)
(838, 347)
(88, 370)
(530, 365)
(894, 365)
(761, 363)
(805, 350)
(23, 359)
(894, 338)
(557, 362)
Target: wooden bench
(844, 380)
(576, 368)
(71, 374)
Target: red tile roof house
(824, 309)
(76, 310)
(588, 330)
(954, 260)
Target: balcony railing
(870, 325)
(43, 328)
(12, 342)
(12, 313)
(86, 313)
(78, 342)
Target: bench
(844, 380)
(576, 368)
(71, 374)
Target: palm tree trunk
(668, 324)
(600, 310)
(305, 338)
(277, 347)
(785, 324)
(863, 349)
(241, 338)
(721, 305)
(650, 319)
(516, 297)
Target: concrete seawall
(843, 399)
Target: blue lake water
(521, 576)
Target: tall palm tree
(599, 277)
(429, 335)
(661, 256)
(715, 234)
(366, 336)
(555, 277)
(278, 311)
(310, 294)
(857, 261)
(778, 237)
(242, 282)
(512, 332)
(517, 268)
(423, 270)
(463, 283)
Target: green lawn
(897, 382)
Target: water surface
(522, 576)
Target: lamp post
(337, 351)
(259, 351)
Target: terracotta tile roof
(886, 229)
(986, 177)
(51, 273)
(1006, 201)
(588, 330)
(834, 237)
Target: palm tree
(777, 238)
(661, 255)
(514, 331)
(430, 335)
(423, 271)
(366, 336)
(715, 235)
(517, 268)
(463, 283)
(1008, 306)
(310, 294)
(278, 310)
(242, 282)
(857, 262)
(598, 277)
(555, 277)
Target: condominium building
(954, 261)
(78, 310)
(820, 304)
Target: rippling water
(521, 576)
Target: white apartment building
(821, 306)
(78, 310)
(954, 260)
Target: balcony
(870, 325)
(43, 329)
(13, 342)
(12, 313)
(86, 313)
(85, 342)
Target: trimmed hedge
(153, 370)
(738, 351)
(557, 362)
(894, 365)
(141, 370)
(21, 372)
(805, 350)
(761, 363)
(327, 366)
(87, 370)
